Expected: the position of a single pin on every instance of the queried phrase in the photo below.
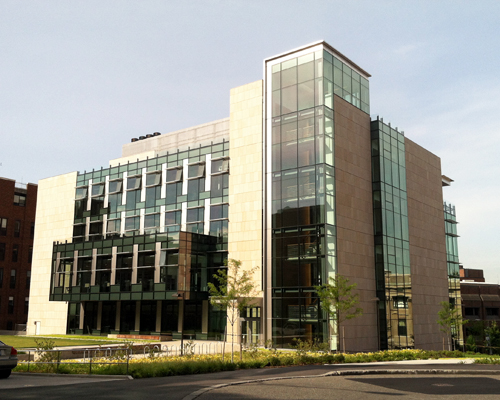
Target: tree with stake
(339, 302)
(234, 292)
(449, 318)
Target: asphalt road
(25, 386)
(369, 387)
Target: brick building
(17, 228)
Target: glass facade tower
(392, 245)
(300, 175)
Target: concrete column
(117, 318)
(114, 252)
(157, 262)
(181, 313)
(158, 315)
(137, 315)
(75, 268)
(204, 317)
(94, 264)
(82, 315)
(99, 315)
(135, 258)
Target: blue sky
(80, 78)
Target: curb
(199, 392)
(81, 376)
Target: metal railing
(54, 359)
(92, 357)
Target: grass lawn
(20, 342)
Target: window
(30, 254)
(196, 170)
(173, 217)
(151, 221)
(96, 205)
(195, 187)
(83, 275)
(80, 207)
(146, 270)
(402, 331)
(103, 272)
(133, 197)
(153, 193)
(153, 179)
(15, 253)
(132, 223)
(472, 311)
(173, 190)
(10, 308)
(2, 251)
(172, 220)
(114, 227)
(28, 279)
(195, 214)
(492, 312)
(95, 230)
(174, 175)
(400, 301)
(98, 189)
(17, 228)
(3, 226)
(12, 279)
(114, 201)
(19, 200)
(1, 277)
(32, 230)
(219, 211)
(115, 186)
(134, 182)
(81, 193)
(79, 230)
(220, 165)
(219, 182)
(26, 304)
(197, 227)
(218, 229)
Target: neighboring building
(298, 181)
(17, 227)
(471, 275)
(481, 301)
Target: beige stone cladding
(354, 211)
(245, 188)
(54, 222)
(427, 243)
(195, 136)
(132, 158)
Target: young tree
(339, 302)
(449, 318)
(234, 292)
(492, 333)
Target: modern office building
(17, 228)
(298, 181)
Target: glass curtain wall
(301, 175)
(392, 247)
(450, 222)
(302, 196)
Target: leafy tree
(339, 302)
(450, 319)
(234, 292)
(492, 333)
(471, 343)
